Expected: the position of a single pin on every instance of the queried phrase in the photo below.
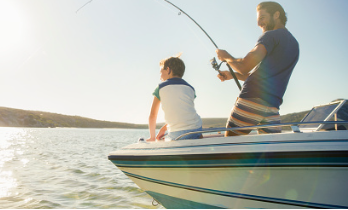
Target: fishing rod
(213, 61)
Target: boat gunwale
(293, 125)
(245, 140)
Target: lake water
(66, 169)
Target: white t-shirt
(177, 99)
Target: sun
(11, 23)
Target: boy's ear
(169, 70)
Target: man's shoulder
(277, 36)
(272, 33)
(281, 32)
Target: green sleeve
(156, 93)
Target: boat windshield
(327, 112)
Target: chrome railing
(294, 126)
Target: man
(265, 70)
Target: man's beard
(270, 26)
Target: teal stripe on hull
(170, 202)
(234, 163)
(267, 159)
(270, 200)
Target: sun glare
(11, 23)
(7, 181)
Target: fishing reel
(215, 65)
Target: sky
(101, 61)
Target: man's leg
(272, 117)
(246, 112)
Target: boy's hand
(159, 138)
(161, 132)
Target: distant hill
(221, 122)
(214, 122)
(10, 117)
(293, 117)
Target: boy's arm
(153, 118)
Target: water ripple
(66, 168)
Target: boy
(176, 97)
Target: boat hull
(304, 170)
(247, 187)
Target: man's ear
(276, 15)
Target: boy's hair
(272, 7)
(175, 64)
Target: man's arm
(246, 64)
(153, 118)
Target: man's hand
(223, 55)
(224, 75)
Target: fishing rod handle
(234, 76)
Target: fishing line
(181, 11)
(189, 26)
(32, 54)
(213, 61)
(196, 35)
(83, 6)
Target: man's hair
(272, 7)
(175, 64)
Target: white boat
(306, 167)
